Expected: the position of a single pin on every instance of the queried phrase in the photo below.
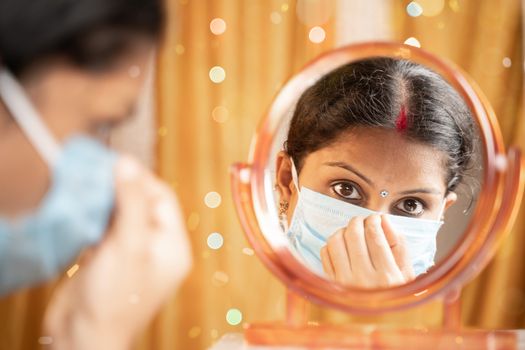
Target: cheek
(114, 100)
(434, 213)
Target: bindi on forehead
(401, 120)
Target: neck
(6, 121)
(24, 177)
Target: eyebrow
(368, 181)
(422, 190)
(351, 169)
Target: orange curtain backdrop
(204, 127)
(485, 38)
(258, 56)
(264, 44)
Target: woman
(374, 154)
(69, 69)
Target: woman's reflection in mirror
(377, 148)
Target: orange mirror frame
(498, 202)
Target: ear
(284, 182)
(450, 199)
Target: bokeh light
(194, 332)
(179, 49)
(218, 26)
(212, 199)
(454, 5)
(431, 8)
(317, 35)
(248, 251)
(215, 240)
(163, 131)
(414, 9)
(220, 114)
(314, 12)
(507, 62)
(413, 42)
(220, 278)
(193, 221)
(217, 74)
(214, 334)
(234, 317)
(275, 17)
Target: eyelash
(356, 188)
(351, 184)
(424, 206)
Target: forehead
(385, 156)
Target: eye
(411, 206)
(346, 190)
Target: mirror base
(378, 337)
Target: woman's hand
(123, 281)
(368, 253)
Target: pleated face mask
(74, 213)
(317, 216)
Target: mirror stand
(296, 331)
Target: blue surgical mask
(73, 214)
(317, 216)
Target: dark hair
(388, 93)
(90, 33)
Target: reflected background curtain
(204, 126)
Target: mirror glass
(387, 158)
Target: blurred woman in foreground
(69, 69)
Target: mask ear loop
(295, 177)
(26, 116)
(441, 212)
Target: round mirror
(377, 179)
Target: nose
(379, 204)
